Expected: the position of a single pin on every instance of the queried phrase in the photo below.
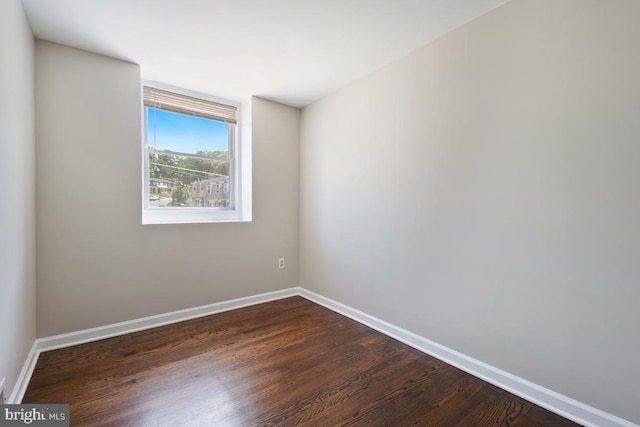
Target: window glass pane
(187, 155)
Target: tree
(180, 196)
(185, 170)
(160, 166)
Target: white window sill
(191, 216)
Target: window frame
(179, 215)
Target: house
(210, 193)
(507, 150)
(159, 185)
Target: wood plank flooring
(283, 363)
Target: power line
(190, 170)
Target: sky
(185, 134)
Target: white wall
(96, 263)
(17, 200)
(484, 192)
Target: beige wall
(17, 200)
(483, 192)
(96, 263)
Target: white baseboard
(115, 329)
(25, 375)
(548, 399)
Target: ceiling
(290, 51)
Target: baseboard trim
(129, 326)
(25, 375)
(102, 332)
(548, 399)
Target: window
(190, 145)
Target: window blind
(168, 101)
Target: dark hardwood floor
(288, 362)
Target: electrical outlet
(281, 263)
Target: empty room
(371, 213)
